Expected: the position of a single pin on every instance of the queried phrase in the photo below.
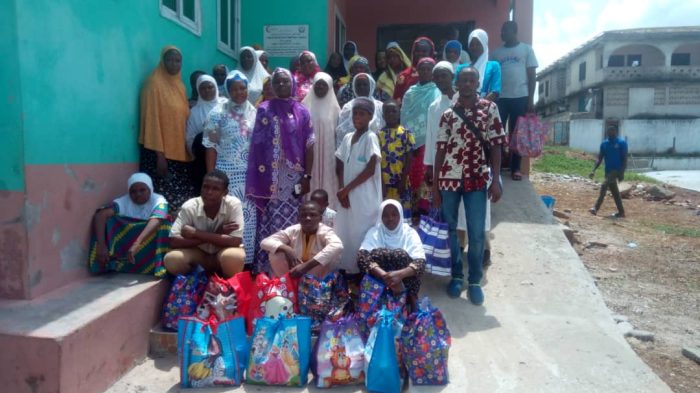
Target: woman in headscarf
(131, 235)
(227, 139)
(393, 252)
(220, 72)
(414, 116)
(208, 99)
(397, 61)
(267, 93)
(349, 51)
(454, 54)
(264, 59)
(422, 47)
(304, 78)
(362, 86)
(324, 111)
(280, 160)
(357, 65)
(489, 70)
(250, 66)
(164, 113)
(335, 69)
(379, 64)
(193, 87)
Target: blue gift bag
(280, 352)
(436, 243)
(373, 296)
(381, 361)
(210, 354)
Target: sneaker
(593, 211)
(454, 288)
(618, 215)
(475, 294)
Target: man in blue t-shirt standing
(614, 151)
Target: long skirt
(121, 234)
(278, 213)
(176, 187)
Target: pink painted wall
(365, 16)
(60, 202)
(26, 362)
(13, 246)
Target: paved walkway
(543, 328)
(684, 179)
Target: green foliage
(676, 230)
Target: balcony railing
(641, 73)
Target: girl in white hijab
(253, 71)
(131, 235)
(324, 111)
(360, 88)
(207, 100)
(393, 252)
(489, 70)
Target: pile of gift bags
(258, 330)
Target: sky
(560, 26)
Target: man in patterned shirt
(468, 142)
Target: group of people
(309, 172)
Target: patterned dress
(228, 130)
(395, 143)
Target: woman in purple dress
(280, 161)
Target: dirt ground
(645, 274)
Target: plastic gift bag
(381, 355)
(183, 298)
(253, 294)
(373, 296)
(425, 345)
(434, 235)
(280, 352)
(210, 352)
(219, 300)
(339, 355)
(321, 298)
(529, 136)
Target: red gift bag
(253, 293)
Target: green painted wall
(257, 14)
(11, 151)
(82, 67)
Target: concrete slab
(79, 338)
(685, 179)
(543, 328)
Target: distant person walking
(614, 151)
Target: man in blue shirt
(614, 151)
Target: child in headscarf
(422, 47)
(131, 234)
(359, 179)
(362, 86)
(393, 252)
(397, 144)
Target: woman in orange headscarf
(164, 112)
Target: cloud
(559, 26)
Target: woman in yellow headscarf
(164, 112)
(397, 61)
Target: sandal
(517, 176)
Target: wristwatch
(307, 177)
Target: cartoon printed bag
(373, 296)
(339, 355)
(210, 353)
(219, 300)
(280, 351)
(183, 298)
(321, 298)
(529, 136)
(425, 345)
(266, 289)
(382, 355)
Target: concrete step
(161, 342)
(78, 338)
